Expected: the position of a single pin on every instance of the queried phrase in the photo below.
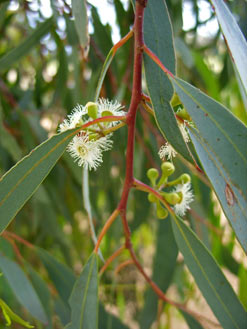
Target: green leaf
(22, 288)
(221, 147)
(22, 49)
(11, 316)
(209, 278)
(235, 40)
(158, 37)
(163, 270)
(79, 10)
(84, 298)
(109, 321)
(192, 322)
(62, 277)
(22, 180)
(43, 292)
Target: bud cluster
(180, 197)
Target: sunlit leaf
(21, 181)
(211, 281)
(221, 146)
(158, 37)
(235, 40)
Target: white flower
(89, 152)
(167, 151)
(184, 190)
(184, 132)
(107, 107)
(74, 119)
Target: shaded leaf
(22, 49)
(209, 278)
(109, 321)
(158, 37)
(21, 181)
(22, 288)
(62, 277)
(163, 270)
(192, 322)
(221, 147)
(235, 40)
(84, 298)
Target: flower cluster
(88, 145)
(179, 198)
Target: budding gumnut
(153, 174)
(92, 110)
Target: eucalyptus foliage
(123, 189)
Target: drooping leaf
(22, 49)
(43, 292)
(79, 10)
(21, 181)
(22, 288)
(209, 278)
(192, 322)
(109, 321)
(163, 269)
(84, 298)
(158, 37)
(221, 146)
(61, 276)
(235, 40)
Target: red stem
(135, 100)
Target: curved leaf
(22, 288)
(84, 298)
(22, 180)
(235, 40)
(159, 38)
(223, 138)
(209, 278)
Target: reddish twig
(123, 265)
(111, 258)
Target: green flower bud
(161, 212)
(151, 197)
(172, 198)
(92, 110)
(106, 113)
(153, 174)
(183, 179)
(167, 170)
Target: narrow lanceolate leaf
(221, 146)
(84, 298)
(158, 37)
(62, 277)
(79, 10)
(235, 40)
(21, 181)
(209, 278)
(22, 288)
(22, 49)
